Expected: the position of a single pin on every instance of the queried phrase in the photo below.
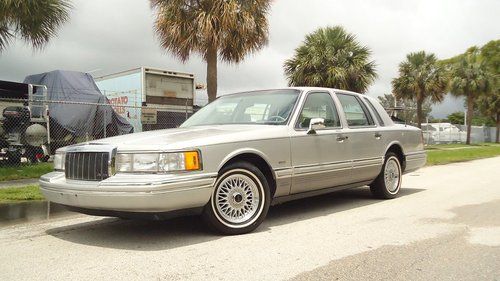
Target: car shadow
(326, 204)
(146, 235)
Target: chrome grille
(92, 166)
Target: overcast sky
(114, 35)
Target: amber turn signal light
(192, 160)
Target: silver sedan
(238, 155)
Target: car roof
(300, 89)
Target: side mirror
(316, 124)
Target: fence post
(439, 133)
(451, 139)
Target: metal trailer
(145, 95)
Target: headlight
(158, 162)
(59, 158)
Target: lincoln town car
(239, 155)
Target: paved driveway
(446, 225)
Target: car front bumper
(130, 192)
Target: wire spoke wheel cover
(238, 198)
(392, 175)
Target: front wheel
(240, 200)
(388, 182)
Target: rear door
(365, 138)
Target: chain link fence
(437, 133)
(31, 130)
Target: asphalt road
(445, 226)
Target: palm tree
(331, 57)
(229, 29)
(420, 79)
(35, 22)
(471, 79)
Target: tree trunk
(497, 140)
(419, 113)
(212, 74)
(470, 112)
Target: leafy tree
(420, 79)
(457, 118)
(489, 105)
(225, 29)
(490, 53)
(408, 110)
(438, 120)
(470, 79)
(331, 57)
(35, 22)
(478, 120)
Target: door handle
(378, 135)
(342, 138)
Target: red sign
(116, 102)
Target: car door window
(319, 105)
(355, 112)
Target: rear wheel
(240, 200)
(388, 182)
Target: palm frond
(331, 57)
(36, 22)
(470, 77)
(234, 27)
(420, 78)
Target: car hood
(193, 137)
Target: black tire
(213, 213)
(13, 158)
(379, 187)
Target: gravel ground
(445, 225)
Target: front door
(320, 159)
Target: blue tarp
(68, 88)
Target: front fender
(242, 151)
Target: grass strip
(24, 171)
(26, 193)
(450, 153)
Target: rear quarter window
(377, 114)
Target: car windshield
(261, 107)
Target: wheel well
(395, 148)
(258, 162)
